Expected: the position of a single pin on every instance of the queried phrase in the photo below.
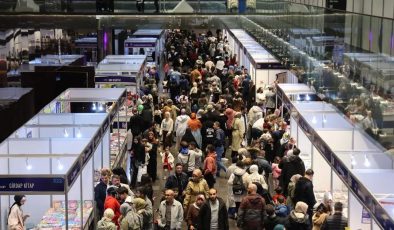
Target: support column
(104, 43)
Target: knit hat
(301, 207)
(279, 227)
(139, 203)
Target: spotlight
(314, 121)
(28, 166)
(79, 134)
(59, 165)
(65, 133)
(324, 118)
(100, 107)
(94, 106)
(366, 161)
(352, 160)
(307, 97)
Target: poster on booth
(365, 217)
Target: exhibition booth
(143, 46)
(124, 71)
(346, 161)
(262, 66)
(160, 35)
(55, 160)
(93, 101)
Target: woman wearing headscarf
(106, 222)
(166, 128)
(131, 220)
(290, 190)
(192, 213)
(298, 218)
(238, 132)
(195, 127)
(322, 211)
(255, 177)
(230, 113)
(16, 219)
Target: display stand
(343, 157)
(143, 46)
(123, 71)
(54, 159)
(153, 33)
(262, 66)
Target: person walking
(219, 147)
(213, 213)
(237, 184)
(210, 167)
(336, 221)
(181, 122)
(166, 128)
(290, 166)
(170, 212)
(304, 192)
(298, 218)
(168, 162)
(194, 210)
(197, 185)
(100, 191)
(271, 219)
(178, 180)
(237, 134)
(130, 219)
(252, 210)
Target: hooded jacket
(251, 212)
(254, 114)
(105, 224)
(181, 125)
(112, 203)
(254, 176)
(297, 221)
(210, 164)
(304, 192)
(193, 189)
(290, 166)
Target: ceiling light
(314, 121)
(65, 133)
(366, 161)
(28, 166)
(59, 165)
(79, 134)
(353, 160)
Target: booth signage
(37, 184)
(321, 146)
(115, 79)
(305, 126)
(340, 168)
(139, 44)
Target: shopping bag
(142, 169)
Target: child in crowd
(168, 161)
(281, 208)
(276, 171)
(278, 193)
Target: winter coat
(172, 182)
(282, 210)
(112, 203)
(132, 221)
(251, 212)
(271, 221)
(254, 176)
(270, 100)
(181, 125)
(193, 189)
(245, 178)
(204, 217)
(304, 192)
(237, 134)
(100, 193)
(176, 215)
(136, 124)
(297, 221)
(15, 218)
(170, 159)
(192, 215)
(318, 220)
(105, 224)
(210, 164)
(166, 125)
(264, 165)
(335, 222)
(290, 196)
(290, 166)
(255, 113)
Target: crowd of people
(211, 119)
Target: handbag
(142, 169)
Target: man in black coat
(179, 180)
(100, 192)
(336, 221)
(290, 166)
(216, 205)
(304, 192)
(136, 123)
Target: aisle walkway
(221, 186)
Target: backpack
(173, 81)
(238, 185)
(185, 166)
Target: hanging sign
(31, 185)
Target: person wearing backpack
(237, 184)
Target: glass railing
(130, 7)
(347, 58)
